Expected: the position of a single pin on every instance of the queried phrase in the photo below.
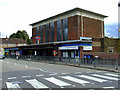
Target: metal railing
(90, 62)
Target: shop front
(74, 50)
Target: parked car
(2, 56)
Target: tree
(21, 34)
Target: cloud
(2, 3)
(107, 34)
(2, 35)
(111, 30)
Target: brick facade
(34, 36)
(78, 26)
(55, 31)
(91, 28)
(72, 28)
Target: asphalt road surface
(21, 75)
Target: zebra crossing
(70, 81)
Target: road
(22, 75)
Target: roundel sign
(38, 38)
(54, 53)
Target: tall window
(59, 30)
(52, 32)
(65, 29)
(37, 32)
(47, 33)
(41, 34)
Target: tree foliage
(21, 34)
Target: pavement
(104, 67)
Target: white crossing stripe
(106, 77)
(12, 78)
(11, 85)
(25, 76)
(36, 84)
(65, 73)
(53, 74)
(57, 82)
(108, 87)
(75, 79)
(8, 62)
(115, 75)
(39, 75)
(92, 78)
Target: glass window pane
(37, 32)
(47, 33)
(41, 34)
(65, 29)
(59, 30)
(52, 32)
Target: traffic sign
(38, 38)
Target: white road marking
(36, 84)
(8, 62)
(88, 69)
(57, 82)
(106, 77)
(26, 66)
(25, 76)
(108, 87)
(92, 78)
(11, 85)
(39, 75)
(45, 70)
(12, 78)
(75, 79)
(1, 60)
(115, 75)
(64, 73)
(53, 74)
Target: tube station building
(67, 34)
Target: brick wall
(96, 49)
(91, 28)
(34, 36)
(103, 55)
(72, 28)
(55, 31)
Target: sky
(18, 14)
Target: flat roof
(75, 9)
(51, 43)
